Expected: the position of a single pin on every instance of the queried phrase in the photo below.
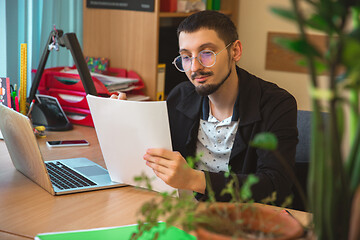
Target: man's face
(205, 79)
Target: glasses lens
(178, 63)
(207, 58)
(185, 62)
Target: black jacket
(262, 107)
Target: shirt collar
(206, 109)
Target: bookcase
(131, 39)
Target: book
(160, 85)
(209, 5)
(168, 5)
(5, 93)
(216, 5)
(121, 232)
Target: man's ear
(237, 50)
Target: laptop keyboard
(64, 177)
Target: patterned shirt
(215, 141)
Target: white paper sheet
(126, 129)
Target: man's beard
(207, 89)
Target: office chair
(302, 157)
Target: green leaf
(266, 141)
(193, 160)
(320, 67)
(356, 16)
(138, 178)
(322, 93)
(285, 13)
(351, 53)
(317, 22)
(298, 45)
(245, 191)
(270, 200)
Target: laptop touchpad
(91, 170)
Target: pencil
(31, 107)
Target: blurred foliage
(334, 175)
(183, 211)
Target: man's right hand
(120, 96)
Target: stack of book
(112, 83)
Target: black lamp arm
(70, 41)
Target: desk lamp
(43, 114)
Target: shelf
(182, 14)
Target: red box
(69, 91)
(52, 78)
(79, 116)
(69, 98)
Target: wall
(254, 22)
(3, 70)
(128, 38)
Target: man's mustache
(202, 74)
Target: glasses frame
(191, 59)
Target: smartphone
(67, 143)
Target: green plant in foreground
(186, 212)
(334, 172)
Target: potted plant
(239, 219)
(334, 173)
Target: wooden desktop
(26, 209)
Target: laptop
(57, 176)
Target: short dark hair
(212, 20)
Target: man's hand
(173, 169)
(120, 96)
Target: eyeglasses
(207, 58)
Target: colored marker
(8, 94)
(17, 108)
(13, 95)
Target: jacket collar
(248, 100)
(191, 105)
(249, 97)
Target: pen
(289, 213)
(306, 229)
(31, 107)
(17, 103)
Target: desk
(27, 209)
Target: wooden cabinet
(130, 39)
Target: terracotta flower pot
(254, 219)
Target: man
(218, 112)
